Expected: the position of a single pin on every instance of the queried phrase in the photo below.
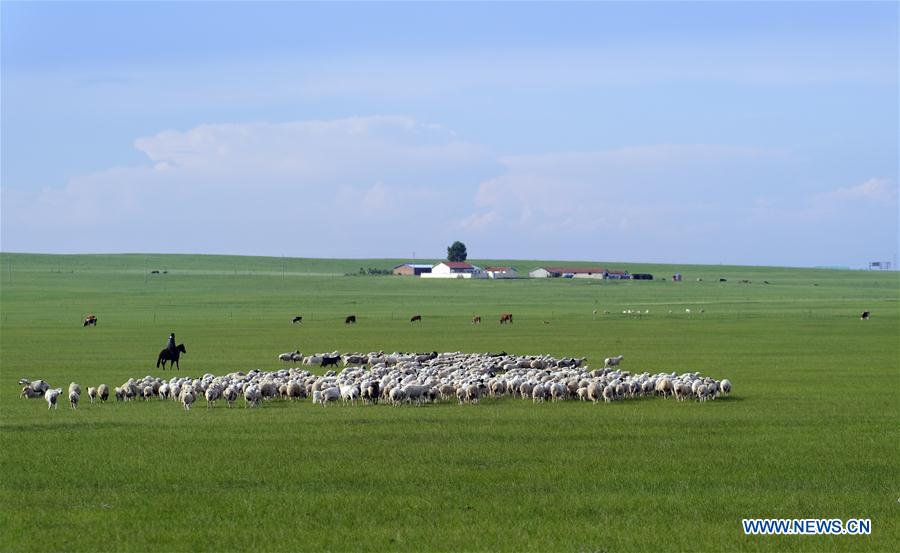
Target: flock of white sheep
(400, 379)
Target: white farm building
(501, 272)
(455, 269)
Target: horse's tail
(159, 359)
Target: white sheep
(252, 396)
(51, 397)
(230, 395)
(613, 361)
(725, 386)
(330, 394)
(73, 398)
(103, 392)
(92, 394)
(187, 398)
(212, 394)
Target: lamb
(92, 394)
(103, 392)
(51, 397)
(613, 361)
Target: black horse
(171, 357)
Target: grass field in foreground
(811, 429)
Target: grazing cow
(506, 318)
(476, 320)
(415, 318)
(90, 320)
(326, 360)
(350, 319)
(297, 319)
(864, 316)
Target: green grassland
(811, 429)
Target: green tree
(457, 252)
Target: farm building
(411, 269)
(577, 272)
(455, 269)
(501, 272)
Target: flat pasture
(810, 431)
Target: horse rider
(171, 344)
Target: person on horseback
(171, 345)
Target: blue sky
(746, 133)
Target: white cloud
(387, 186)
(255, 188)
(877, 190)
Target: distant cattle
(723, 280)
(864, 316)
(476, 320)
(350, 319)
(90, 320)
(154, 272)
(333, 361)
(415, 318)
(506, 318)
(297, 319)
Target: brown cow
(416, 318)
(476, 320)
(506, 318)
